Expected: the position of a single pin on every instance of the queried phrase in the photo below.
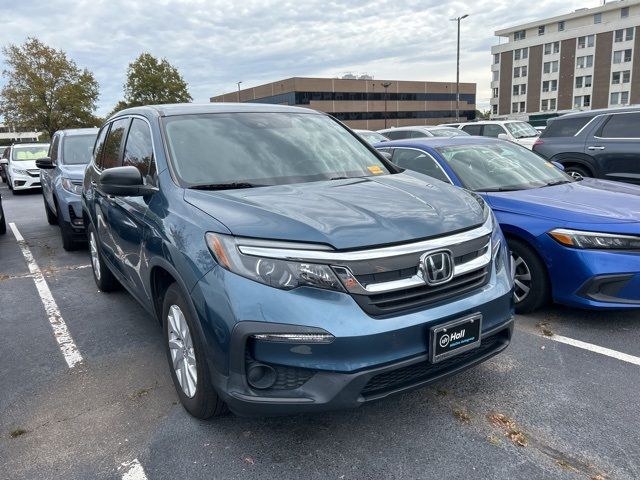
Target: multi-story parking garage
(365, 102)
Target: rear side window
(472, 129)
(565, 127)
(113, 144)
(492, 130)
(98, 148)
(397, 134)
(623, 125)
(418, 162)
(138, 152)
(53, 150)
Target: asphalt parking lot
(544, 409)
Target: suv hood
(345, 214)
(586, 201)
(73, 172)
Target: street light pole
(385, 85)
(239, 91)
(458, 19)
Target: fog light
(261, 376)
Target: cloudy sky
(216, 43)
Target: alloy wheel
(576, 175)
(521, 277)
(182, 354)
(95, 258)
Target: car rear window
(565, 127)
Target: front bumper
(24, 182)
(595, 279)
(369, 358)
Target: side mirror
(124, 182)
(503, 136)
(386, 155)
(558, 165)
(45, 163)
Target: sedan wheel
(521, 277)
(182, 354)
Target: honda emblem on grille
(437, 268)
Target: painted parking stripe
(61, 333)
(133, 471)
(625, 357)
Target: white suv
(514, 130)
(22, 172)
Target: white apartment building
(586, 59)
(9, 135)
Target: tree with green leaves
(46, 91)
(151, 81)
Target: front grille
(423, 371)
(34, 173)
(417, 297)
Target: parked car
(22, 172)
(3, 221)
(292, 266)
(371, 136)
(597, 143)
(401, 133)
(513, 130)
(575, 242)
(61, 174)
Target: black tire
(3, 222)
(105, 280)
(205, 402)
(526, 259)
(51, 216)
(577, 171)
(4, 177)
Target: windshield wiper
(225, 186)
(557, 182)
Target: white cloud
(217, 43)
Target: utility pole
(458, 19)
(385, 85)
(239, 91)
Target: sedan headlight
(71, 187)
(595, 240)
(18, 171)
(282, 274)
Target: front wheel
(531, 289)
(51, 216)
(105, 280)
(578, 172)
(187, 361)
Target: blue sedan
(576, 242)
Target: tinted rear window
(565, 127)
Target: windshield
(448, 132)
(521, 129)
(501, 166)
(253, 149)
(20, 154)
(77, 149)
(373, 137)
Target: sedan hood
(345, 214)
(24, 165)
(73, 172)
(586, 201)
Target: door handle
(595, 148)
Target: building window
(582, 101)
(579, 82)
(520, 53)
(622, 56)
(585, 62)
(561, 26)
(494, 109)
(523, 70)
(584, 81)
(523, 106)
(516, 72)
(619, 35)
(624, 34)
(588, 81)
(520, 89)
(519, 35)
(496, 58)
(514, 107)
(541, 30)
(597, 18)
(550, 48)
(552, 104)
(550, 67)
(496, 75)
(495, 93)
(624, 12)
(626, 76)
(586, 41)
(516, 90)
(624, 98)
(545, 105)
(550, 85)
(619, 98)
(629, 33)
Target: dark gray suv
(598, 143)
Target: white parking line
(625, 357)
(134, 471)
(61, 333)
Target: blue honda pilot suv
(292, 267)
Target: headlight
(486, 210)
(282, 274)
(19, 171)
(71, 186)
(595, 240)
